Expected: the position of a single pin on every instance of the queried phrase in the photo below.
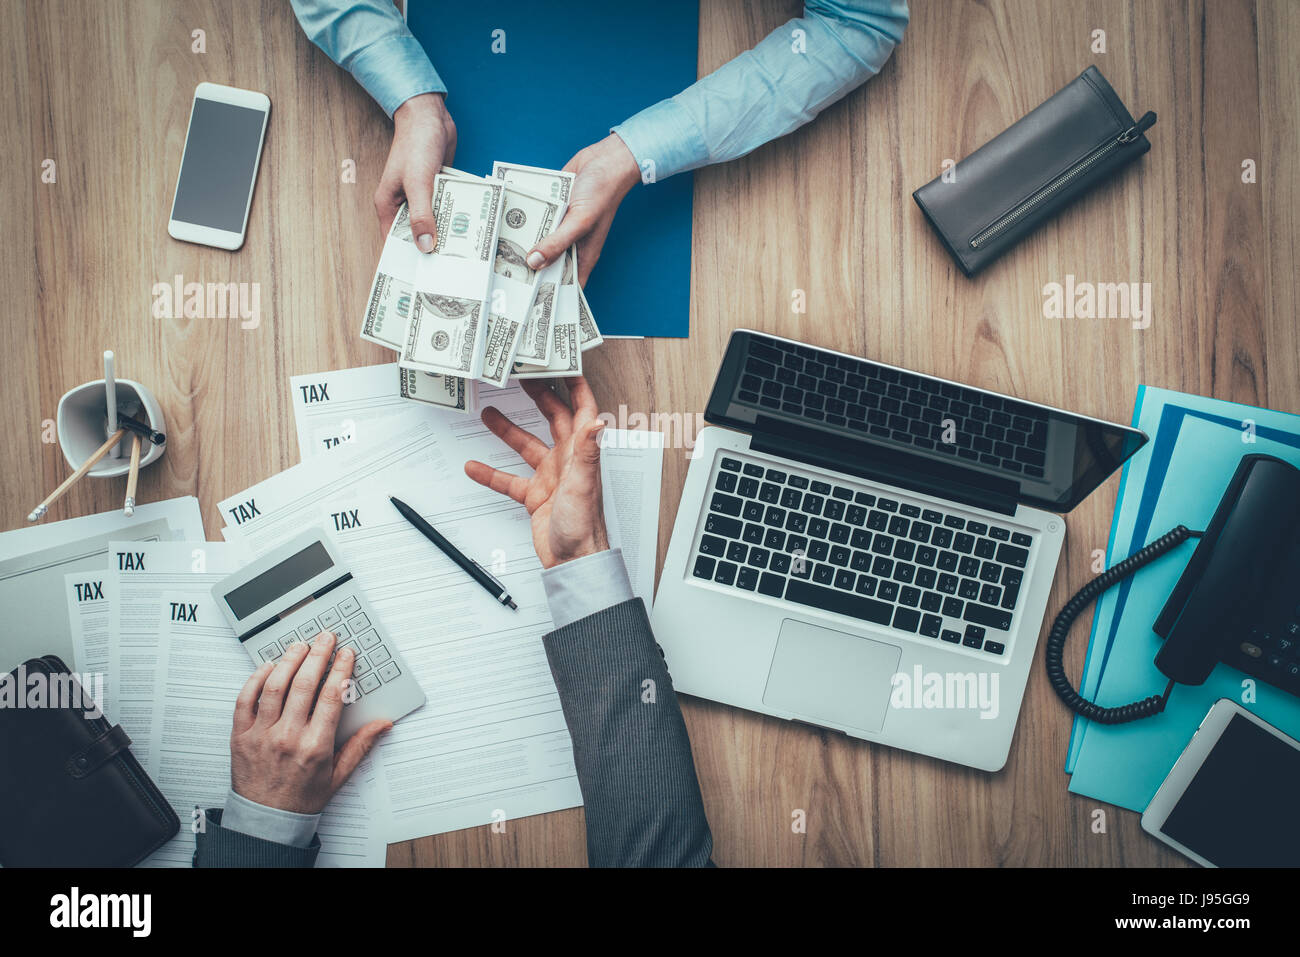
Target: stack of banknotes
(473, 310)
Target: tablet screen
(1239, 809)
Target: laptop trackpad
(831, 677)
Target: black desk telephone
(1238, 600)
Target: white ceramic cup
(81, 419)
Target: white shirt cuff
(585, 586)
(268, 823)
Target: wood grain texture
(104, 90)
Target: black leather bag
(1077, 138)
(71, 792)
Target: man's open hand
(563, 494)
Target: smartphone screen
(222, 149)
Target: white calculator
(293, 593)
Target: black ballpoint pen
(471, 567)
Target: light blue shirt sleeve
(370, 40)
(268, 823)
(585, 586)
(793, 74)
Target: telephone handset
(1237, 601)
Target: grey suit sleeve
(633, 755)
(217, 846)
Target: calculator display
(279, 579)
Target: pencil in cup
(39, 511)
(128, 506)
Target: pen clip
(495, 581)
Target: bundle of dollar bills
(473, 309)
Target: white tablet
(1229, 799)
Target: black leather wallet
(1000, 193)
(73, 794)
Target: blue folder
(569, 73)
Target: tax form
(332, 408)
(88, 612)
(138, 574)
(201, 668)
(398, 439)
(34, 562)
(491, 744)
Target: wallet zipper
(1048, 190)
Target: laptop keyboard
(898, 405)
(877, 558)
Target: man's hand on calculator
(282, 745)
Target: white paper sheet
(138, 575)
(201, 668)
(332, 408)
(632, 465)
(387, 445)
(32, 585)
(181, 514)
(88, 621)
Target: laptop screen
(911, 429)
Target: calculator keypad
(373, 665)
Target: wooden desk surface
(104, 90)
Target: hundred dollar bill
(446, 330)
(535, 342)
(389, 303)
(566, 357)
(525, 221)
(448, 392)
(588, 334)
(535, 337)
(442, 334)
(554, 184)
(566, 351)
(387, 310)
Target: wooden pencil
(128, 507)
(71, 480)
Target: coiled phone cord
(1082, 599)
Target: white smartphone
(1227, 800)
(223, 146)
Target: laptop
(870, 549)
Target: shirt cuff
(395, 69)
(268, 823)
(664, 140)
(585, 586)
